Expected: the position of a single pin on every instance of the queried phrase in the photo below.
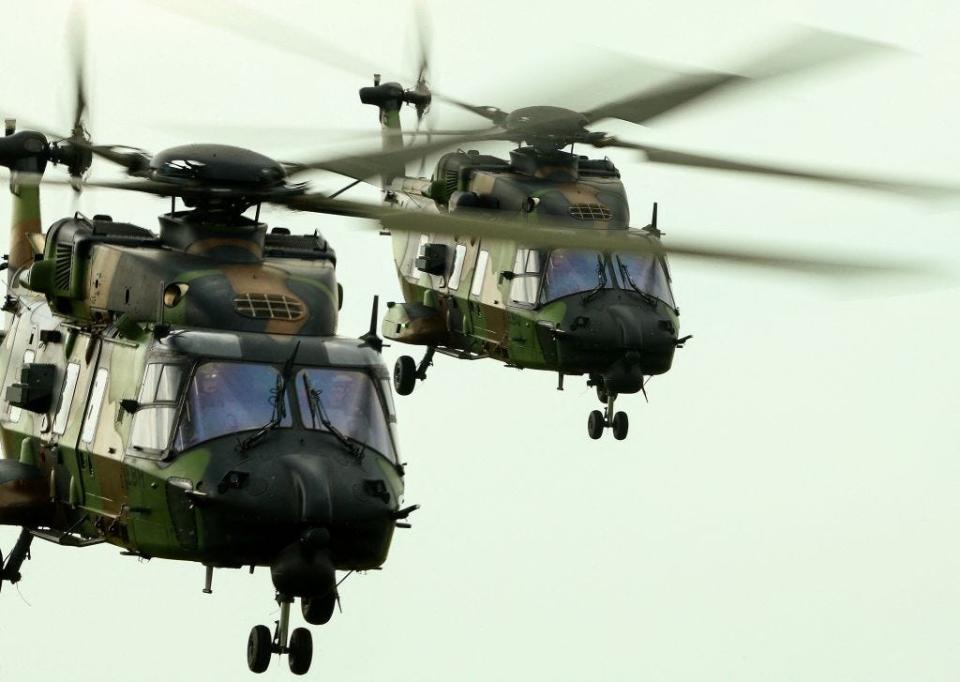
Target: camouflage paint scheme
(615, 335)
(112, 296)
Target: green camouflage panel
(99, 270)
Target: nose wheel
(297, 645)
(618, 422)
(406, 371)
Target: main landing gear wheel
(300, 651)
(259, 648)
(404, 375)
(319, 609)
(621, 424)
(595, 424)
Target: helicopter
(609, 315)
(184, 393)
(521, 294)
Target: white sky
(786, 506)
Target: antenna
(370, 338)
(652, 227)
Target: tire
(318, 610)
(404, 375)
(259, 649)
(595, 424)
(621, 424)
(301, 651)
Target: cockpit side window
(229, 397)
(154, 419)
(526, 276)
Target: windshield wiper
(317, 412)
(601, 279)
(278, 397)
(625, 273)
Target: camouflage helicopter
(607, 314)
(184, 394)
(520, 289)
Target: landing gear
(10, 571)
(595, 424)
(404, 375)
(261, 645)
(621, 424)
(598, 421)
(406, 371)
(300, 651)
(259, 649)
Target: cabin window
(345, 400)
(460, 253)
(93, 408)
(424, 240)
(153, 421)
(66, 398)
(479, 272)
(229, 397)
(526, 276)
(15, 412)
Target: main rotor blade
(424, 40)
(247, 22)
(365, 166)
(78, 54)
(485, 226)
(673, 157)
(809, 50)
(559, 236)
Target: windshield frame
(613, 281)
(291, 396)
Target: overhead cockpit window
(344, 401)
(230, 397)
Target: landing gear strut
(10, 571)
(298, 645)
(406, 371)
(598, 421)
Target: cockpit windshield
(645, 272)
(571, 271)
(225, 398)
(229, 397)
(346, 401)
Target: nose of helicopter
(642, 334)
(287, 494)
(643, 331)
